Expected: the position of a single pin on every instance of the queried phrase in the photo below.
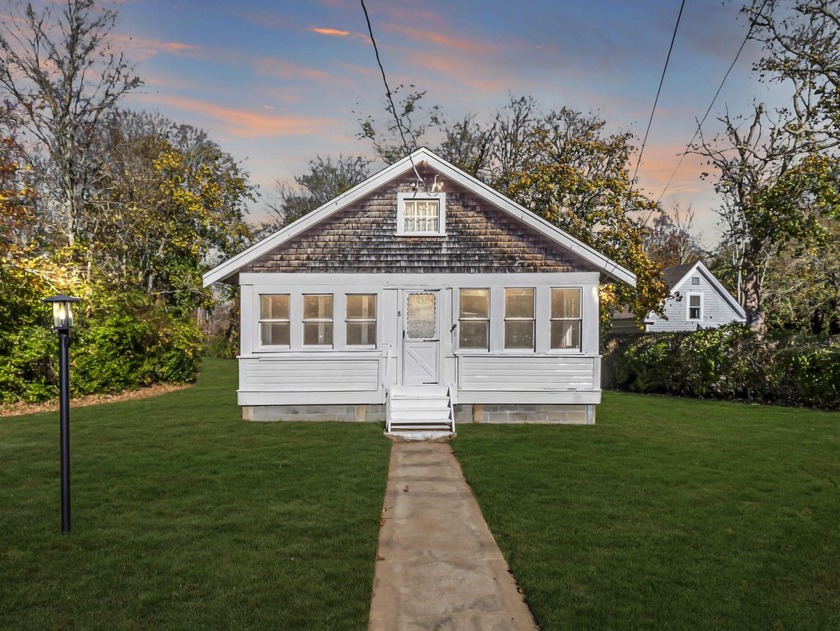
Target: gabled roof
(676, 277)
(230, 268)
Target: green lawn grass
(667, 514)
(185, 517)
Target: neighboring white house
(697, 300)
(420, 294)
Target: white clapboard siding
(312, 374)
(528, 374)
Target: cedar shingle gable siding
(362, 239)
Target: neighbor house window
(274, 319)
(420, 214)
(695, 280)
(317, 320)
(519, 318)
(361, 320)
(695, 306)
(474, 319)
(565, 318)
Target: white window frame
(261, 320)
(348, 320)
(421, 196)
(579, 320)
(304, 321)
(688, 307)
(488, 320)
(534, 320)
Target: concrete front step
(419, 408)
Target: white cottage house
(696, 300)
(419, 297)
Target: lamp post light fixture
(62, 313)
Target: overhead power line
(658, 92)
(714, 98)
(389, 95)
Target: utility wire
(714, 98)
(656, 100)
(389, 95)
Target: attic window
(421, 214)
(695, 280)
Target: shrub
(728, 363)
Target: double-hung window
(274, 319)
(565, 318)
(361, 319)
(317, 320)
(474, 319)
(519, 318)
(695, 306)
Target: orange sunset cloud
(246, 123)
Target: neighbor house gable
(681, 282)
(491, 231)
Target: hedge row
(727, 363)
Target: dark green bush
(727, 363)
(134, 342)
(119, 343)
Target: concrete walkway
(438, 566)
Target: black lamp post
(62, 307)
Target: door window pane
(421, 316)
(361, 319)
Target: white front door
(421, 337)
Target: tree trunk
(752, 301)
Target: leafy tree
(324, 181)
(777, 171)
(563, 166)
(170, 200)
(58, 66)
(576, 177)
(803, 285)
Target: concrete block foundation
(343, 413)
(522, 413)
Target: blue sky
(277, 83)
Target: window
(565, 318)
(420, 214)
(421, 316)
(695, 306)
(318, 320)
(474, 319)
(695, 280)
(361, 320)
(274, 319)
(519, 318)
